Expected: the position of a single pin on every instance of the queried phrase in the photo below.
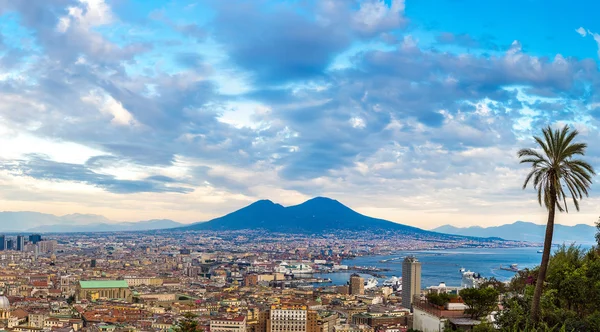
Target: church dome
(4, 303)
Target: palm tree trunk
(539, 286)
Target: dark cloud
(203, 175)
(278, 45)
(423, 111)
(418, 87)
(67, 42)
(286, 42)
(39, 167)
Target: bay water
(444, 265)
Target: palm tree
(553, 170)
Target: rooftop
(91, 284)
(230, 319)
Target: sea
(444, 265)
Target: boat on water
(371, 283)
(389, 260)
(512, 268)
(540, 251)
(470, 279)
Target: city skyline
(188, 110)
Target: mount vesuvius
(315, 216)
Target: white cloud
(375, 15)
(108, 105)
(244, 114)
(357, 122)
(90, 13)
(596, 37)
(583, 33)
(398, 160)
(409, 43)
(16, 144)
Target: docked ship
(291, 269)
(371, 283)
(394, 282)
(512, 268)
(300, 269)
(470, 279)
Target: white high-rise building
(411, 280)
(286, 318)
(228, 324)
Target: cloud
(38, 167)
(278, 45)
(583, 33)
(65, 29)
(91, 13)
(596, 37)
(423, 90)
(109, 106)
(411, 120)
(376, 16)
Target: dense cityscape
(299, 166)
(230, 281)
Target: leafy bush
(571, 298)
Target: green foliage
(484, 327)
(480, 301)
(188, 324)
(574, 277)
(521, 280)
(540, 327)
(439, 299)
(598, 232)
(494, 283)
(571, 299)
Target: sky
(412, 111)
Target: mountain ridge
(314, 216)
(526, 231)
(144, 225)
(37, 222)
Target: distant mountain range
(315, 216)
(14, 222)
(527, 231)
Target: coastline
(443, 265)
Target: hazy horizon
(410, 111)
(187, 222)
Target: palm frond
(555, 174)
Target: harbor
(442, 265)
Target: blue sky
(407, 110)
